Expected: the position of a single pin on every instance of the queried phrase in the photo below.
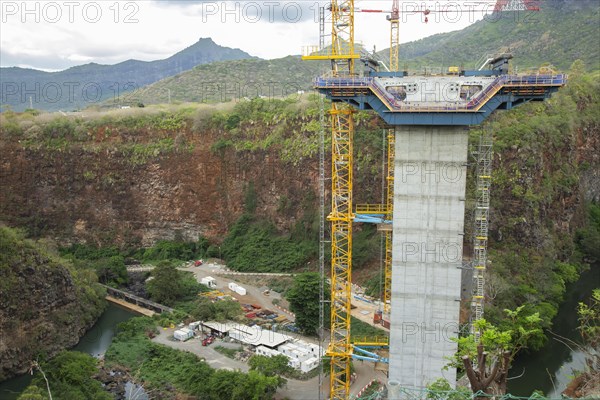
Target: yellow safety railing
(371, 209)
(370, 341)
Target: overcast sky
(54, 35)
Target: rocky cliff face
(105, 196)
(44, 306)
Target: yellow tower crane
(342, 57)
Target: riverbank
(552, 368)
(95, 343)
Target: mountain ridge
(561, 32)
(80, 85)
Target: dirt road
(253, 295)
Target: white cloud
(60, 34)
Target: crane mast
(342, 57)
(342, 135)
(394, 19)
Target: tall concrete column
(429, 207)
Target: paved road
(365, 372)
(208, 353)
(309, 390)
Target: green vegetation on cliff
(588, 238)
(46, 303)
(95, 132)
(538, 183)
(255, 245)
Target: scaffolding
(480, 233)
(321, 240)
(382, 214)
(387, 277)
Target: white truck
(209, 281)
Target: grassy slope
(223, 81)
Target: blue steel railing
(472, 106)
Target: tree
(165, 287)
(33, 393)
(222, 384)
(235, 385)
(227, 310)
(69, 376)
(441, 390)
(270, 366)
(589, 325)
(588, 382)
(203, 309)
(112, 271)
(304, 301)
(260, 387)
(495, 350)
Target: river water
(95, 342)
(551, 368)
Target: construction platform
(402, 99)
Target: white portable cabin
(183, 334)
(194, 325)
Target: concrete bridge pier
(428, 225)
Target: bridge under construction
(428, 116)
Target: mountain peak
(208, 48)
